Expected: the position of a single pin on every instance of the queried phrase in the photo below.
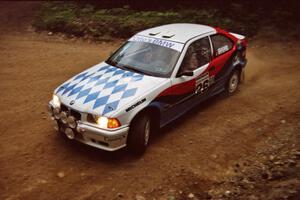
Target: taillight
(241, 46)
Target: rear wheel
(139, 134)
(232, 83)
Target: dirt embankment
(242, 147)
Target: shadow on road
(124, 155)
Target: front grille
(72, 112)
(64, 108)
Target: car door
(197, 60)
(192, 80)
(223, 50)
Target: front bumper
(102, 139)
(90, 134)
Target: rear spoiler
(241, 38)
(238, 36)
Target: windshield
(155, 59)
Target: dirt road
(202, 147)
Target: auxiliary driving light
(56, 127)
(49, 110)
(63, 117)
(71, 121)
(56, 112)
(69, 133)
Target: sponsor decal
(117, 85)
(165, 43)
(203, 82)
(222, 49)
(135, 105)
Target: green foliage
(69, 18)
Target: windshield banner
(161, 42)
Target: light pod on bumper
(56, 127)
(56, 112)
(49, 110)
(71, 121)
(63, 117)
(69, 133)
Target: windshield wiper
(126, 67)
(112, 62)
(135, 70)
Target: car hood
(103, 89)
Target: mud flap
(242, 76)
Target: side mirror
(186, 73)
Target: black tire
(139, 132)
(232, 83)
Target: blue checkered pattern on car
(103, 88)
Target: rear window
(221, 44)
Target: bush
(82, 19)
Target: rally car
(152, 79)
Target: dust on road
(36, 163)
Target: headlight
(56, 101)
(105, 122)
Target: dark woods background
(106, 18)
(178, 4)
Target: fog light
(49, 110)
(63, 117)
(69, 133)
(56, 113)
(56, 127)
(71, 122)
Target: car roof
(177, 32)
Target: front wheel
(139, 134)
(232, 83)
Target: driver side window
(197, 55)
